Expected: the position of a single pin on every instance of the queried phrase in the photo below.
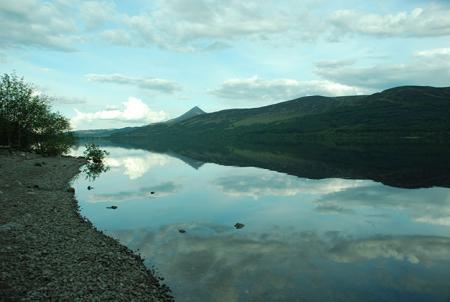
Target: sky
(111, 64)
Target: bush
(25, 116)
(95, 165)
(94, 154)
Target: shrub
(94, 154)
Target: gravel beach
(48, 251)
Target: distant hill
(409, 113)
(187, 115)
(102, 133)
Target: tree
(25, 116)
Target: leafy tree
(25, 116)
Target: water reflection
(330, 239)
(268, 183)
(137, 165)
(423, 205)
(220, 264)
(144, 193)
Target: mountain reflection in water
(332, 238)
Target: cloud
(133, 111)
(160, 190)
(33, 23)
(160, 85)
(419, 22)
(64, 100)
(274, 184)
(213, 260)
(430, 206)
(199, 24)
(426, 67)
(95, 14)
(257, 89)
(414, 249)
(135, 166)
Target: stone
(182, 231)
(239, 225)
(71, 190)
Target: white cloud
(414, 249)
(145, 193)
(419, 22)
(33, 23)
(197, 24)
(160, 85)
(136, 166)
(437, 52)
(270, 184)
(133, 111)
(436, 209)
(96, 13)
(257, 89)
(427, 67)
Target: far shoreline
(48, 251)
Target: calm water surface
(303, 240)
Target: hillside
(102, 133)
(409, 112)
(195, 111)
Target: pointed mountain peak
(196, 109)
(189, 114)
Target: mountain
(187, 115)
(402, 113)
(102, 133)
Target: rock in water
(182, 231)
(112, 207)
(239, 225)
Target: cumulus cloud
(275, 184)
(258, 89)
(160, 85)
(132, 111)
(136, 165)
(426, 67)
(419, 22)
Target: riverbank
(48, 251)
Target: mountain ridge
(400, 112)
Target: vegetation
(398, 114)
(96, 164)
(94, 154)
(26, 118)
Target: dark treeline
(26, 118)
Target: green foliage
(402, 113)
(96, 164)
(26, 118)
(94, 154)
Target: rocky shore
(48, 251)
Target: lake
(326, 237)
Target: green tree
(25, 116)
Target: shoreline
(48, 251)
